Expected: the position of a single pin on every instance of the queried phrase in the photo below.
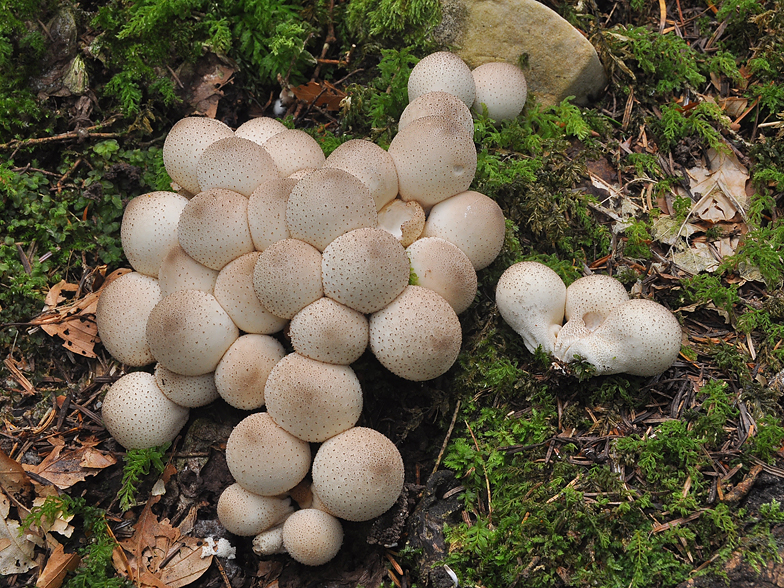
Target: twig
(446, 439)
(77, 134)
(487, 479)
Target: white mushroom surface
(245, 513)
(241, 375)
(312, 537)
(501, 87)
(445, 72)
(371, 164)
(260, 129)
(293, 150)
(328, 331)
(267, 212)
(444, 268)
(179, 271)
(235, 164)
(438, 103)
(190, 391)
(186, 141)
(405, 221)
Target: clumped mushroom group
(365, 248)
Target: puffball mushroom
(186, 141)
(405, 221)
(437, 103)
(241, 375)
(149, 229)
(235, 164)
(189, 332)
(416, 337)
(138, 415)
(213, 228)
(328, 331)
(358, 475)
(190, 391)
(265, 459)
(245, 513)
(501, 87)
(444, 268)
(445, 72)
(312, 537)
(260, 129)
(472, 221)
(311, 399)
(267, 212)
(179, 271)
(531, 298)
(639, 337)
(121, 317)
(435, 158)
(293, 150)
(371, 164)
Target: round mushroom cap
(287, 277)
(639, 337)
(365, 269)
(244, 513)
(190, 391)
(326, 204)
(179, 271)
(138, 415)
(267, 212)
(189, 332)
(328, 331)
(501, 87)
(531, 298)
(405, 221)
(312, 537)
(418, 336)
(472, 221)
(260, 129)
(149, 229)
(234, 291)
(311, 399)
(435, 158)
(442, 72)
(293, 150)
(265, 459)
(438, 103)
(121, 317)
(186, 141)
(241, 375)
(235, 164)
(371, 164)
(358, 475)
(444, 268)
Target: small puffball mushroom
(267, 212)
(245, 513)
(149, 229)
(265, 459)
(416, 337)
(438, 103)
(358, 475)
(189, 332)
(443, 267)
(326, 204)
(213, 228)
(445, 72)
(138, 415)
(472, 221)
(435, 158)
(185, 143)
(312, 537)
(501, 87)
(190, 391)
(235, 164)
(121, 317)
(269, 542)
(301, 173)
(179, 271)
(234, 291)
(260, 129)
(241, 375)
(531, 298)
(330, 332)
(371, 164)
(311, 399)
(287, 277)
(639, 337)
(403, 220)
(293, 150)
(588, 302)
(365, 269)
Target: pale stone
(561, 62)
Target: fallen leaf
(13, 479)
(205, 93)
(322, 94)
(64, 468)
(721, 185)
(56, 568)
(16, 552)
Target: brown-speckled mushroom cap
(405, 221)
(138, 415)
(502, 88)
(121, 317)
(185, 143)
(242, 372)
(190, 391)
(326, 204)
(328, 331)
(371, 164)
(311, 399)
(260, 129)
(312, 537)
(267, 212)
(265, 459)
(189, 332)
(358, 475)
(179, 271)
(418, 336)
(444, 268)
(293, 150)
(442, 71)
(235, 164)
(438, 103)
(245, 513)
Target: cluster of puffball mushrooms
(364, 248)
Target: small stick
(446, 439)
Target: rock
(561, 62)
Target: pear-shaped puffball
(179, 271)
(186, 141)
(501, 87)
(445, 72)
(639, 337)
(293, 150)
(531, 298)
(235, 164)
(330, 332)
(241, 375)
(371, 164)
(312, 537)
(444, 268)
(190, 391)
(438, 103)
(267, 212)
(244, 513)
(405, 221)
(138, 415)
(260, 129)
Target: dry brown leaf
(64, 468)
(721, 185)
(187, 565)
(16, 551)
(13, 479)
(206, 92)
(322, 94)
(56, 568)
